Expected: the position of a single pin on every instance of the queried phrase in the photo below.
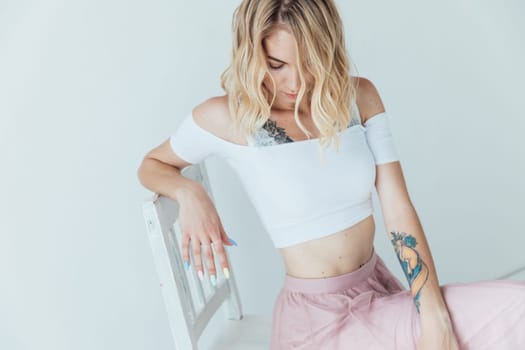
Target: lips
(291, 96)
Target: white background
(88, 87)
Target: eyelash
(276, 68)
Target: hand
(201, 226)
(438, 334)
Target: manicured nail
(201, 276)
(232, 241)
(226, 272)
(213, 280)
(186, 265)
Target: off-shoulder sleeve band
(380, 139)
(191, 143)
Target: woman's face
(281, 58)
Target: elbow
(140, 171)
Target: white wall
(88, 87)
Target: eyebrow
(275, 59)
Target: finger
(197, 260)
(223, 258)
(207, 251)
(224, 236)
(185, 244)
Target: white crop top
(297, 196)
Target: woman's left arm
(405, 231)
(412, 250)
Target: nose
(293, 82)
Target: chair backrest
(190, 303)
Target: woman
(309, 141)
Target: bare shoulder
(368, 100)
(213, 115)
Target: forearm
(412, 250)
(163, 178)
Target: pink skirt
(370, 309)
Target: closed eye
(277, 67)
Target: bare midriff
(339, 253)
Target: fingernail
(201, 276)
(232, 241)
(226, 272)
(186, 265)
(213, 280)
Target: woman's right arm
(160, 173)
(201, 226)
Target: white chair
(190, 303)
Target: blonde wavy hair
(318, 30)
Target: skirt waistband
(331, 284)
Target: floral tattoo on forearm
(416, 271)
